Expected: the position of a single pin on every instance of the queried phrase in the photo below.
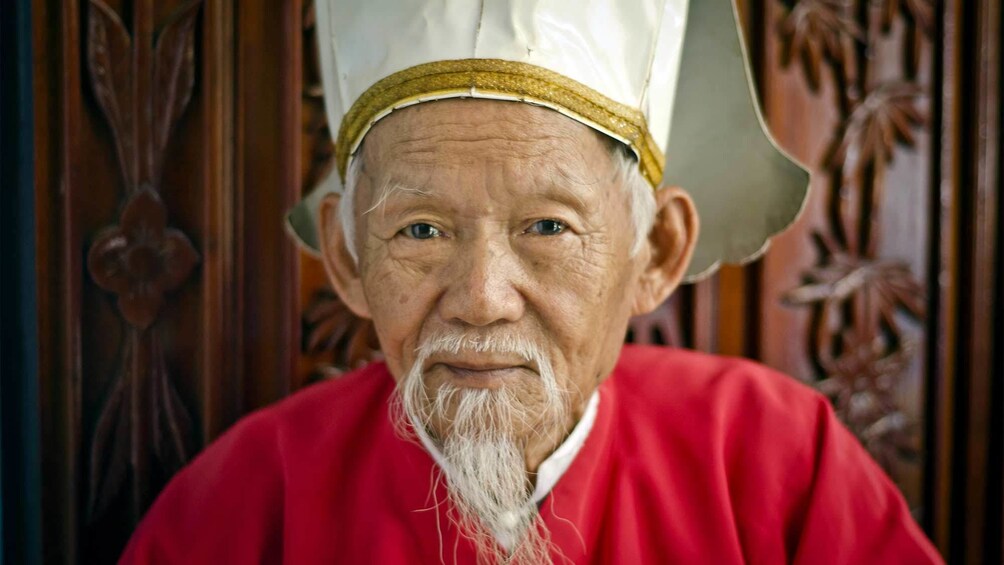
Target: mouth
(481, 375)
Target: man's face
(494, 246)
(491, 218)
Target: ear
(338, 263)
(671, 244)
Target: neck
(540, 446)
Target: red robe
(692, 459)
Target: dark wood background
(171, 136)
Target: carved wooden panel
(873, 295)
(167, 148)
(142, 86)
(866, 297)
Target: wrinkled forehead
(488, 136)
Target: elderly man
(500, 224)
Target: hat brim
(745, 187)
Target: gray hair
(627, 174)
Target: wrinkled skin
(488, 215)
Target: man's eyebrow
(558, 183)
(391, 187)
(563, 194)
(567, 186)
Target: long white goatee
(484, 444)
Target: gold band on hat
(503, 79)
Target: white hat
(614, 65)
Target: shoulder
(323, 419)
(661, 379)
(740, 418)
(310, 414)
(774, 448)
(320, 416)
(339, 402)
(236, 488)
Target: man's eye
(421, 231)
(547, 227)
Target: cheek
(583, 302)
(581, 275)
(400, 300)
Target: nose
(481, 287)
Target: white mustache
(456, 341)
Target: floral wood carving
(333, 331)
(141, 259)
(142, 87)
(659, 327)
(860, 299)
